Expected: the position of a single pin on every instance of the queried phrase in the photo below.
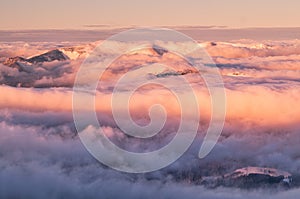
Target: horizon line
(93, 27)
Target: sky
(77, 14)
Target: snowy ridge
(261, 171)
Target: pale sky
(68, 14)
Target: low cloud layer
(42, 162)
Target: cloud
(39, 161)
(250, 48)
(42, 156)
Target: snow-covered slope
(250, 177)
(259, 175)
(260, 171)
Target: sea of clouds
(41, 155)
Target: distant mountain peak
(48, 57)
(159, 50)
(19, 62)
